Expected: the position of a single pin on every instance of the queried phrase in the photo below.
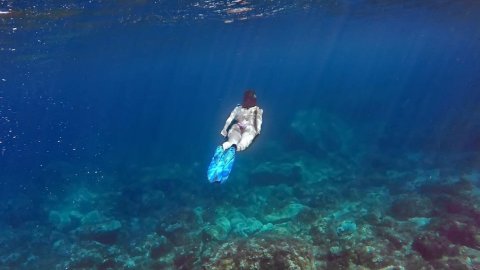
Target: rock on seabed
(263, 252)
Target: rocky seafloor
(286, 209)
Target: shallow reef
(293, 211)
(262, 252)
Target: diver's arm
(229, 121)
(259, 120)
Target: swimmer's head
(249, 99)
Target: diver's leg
(234, 136)
(247, 138)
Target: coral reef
(295, 211)
(262, 252)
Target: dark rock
(307, 216)
(460, 188)
(386, 233)
(361, 256)
(285, 214)
(12, 260)
(220, 230)
(456, 205)
(159, 250)
(339, 260)
(461, 234)
(85, 260)
(265, 252)
(431, 246)
(105, 232)
(177, 224)
(185, 215)
(417, 262)
(452, 206)
(452, 263)
(410, 206)
(157, 265)
(373, 218)
(153, 199)
(322, 199)
(108, 264)
(175, 233)
(184, 262)
(318, 237)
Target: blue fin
(228, 158)
(221, 165)
(215, 165)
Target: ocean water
(369, 156)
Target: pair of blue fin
(221, 164)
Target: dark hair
(249, 99)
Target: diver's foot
(226, 145)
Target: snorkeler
(243, 124)
(241, 128)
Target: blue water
(102, 96)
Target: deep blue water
(103, 87)
(94, 88)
